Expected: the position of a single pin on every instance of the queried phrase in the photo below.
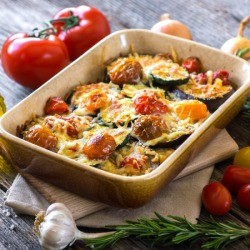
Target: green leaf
(242, 52)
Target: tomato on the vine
(80, 28)
(216, 198)
(235, 177)
(243, 197)
(31, 60)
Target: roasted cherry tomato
(216, 198)
(96, 99)
(223, 75)
(31, 61)
(41, 136)
(99, 146)
(80, 28)
(192, 109)
(149, 127)
(243, 197)
(242, 157)
(131, 162)
(125, 70)
(192, 64)
(146, 105)
(56, 105)
(201, 78)
(235, 177)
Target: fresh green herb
(242, 52)
(174, 230)
(246, 109)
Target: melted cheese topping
(211, 90)
(81, 93)
(118, 112)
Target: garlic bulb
(57, 229)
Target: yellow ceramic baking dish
(96, 184)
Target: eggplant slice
(213, 94)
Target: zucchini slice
(119, 113)
(169, 74)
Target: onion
(240, 45)
(172, 27)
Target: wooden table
(211, 22)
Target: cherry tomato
(125, 70)
(243, 197)
(56, 105)
(242, 157)
(146, 105)
(149, 127)
(31, 61)
(82, 28)
(192, 64)
(235, 177)
(223, 75)
(96, 99)
(41, 136)
(99, 146)
(201, 78)
(192, 109)
(216, 198)
(131, 162)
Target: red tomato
(146, 105)
(148, 127)
(235, 177)
(216, 198)
(99, 146)
(82, 27)
(201, 78)
(223, 75)
(132, 162)
(56, 105)
(192, 64)
(41, 136)
(96, 100)
(31, 61)
(243, 197)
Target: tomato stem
(43, 33)
(69, 22)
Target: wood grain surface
(211, 23)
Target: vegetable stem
(68, 22)
(243, 25)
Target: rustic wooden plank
(19, 237)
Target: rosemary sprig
(174, 230)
